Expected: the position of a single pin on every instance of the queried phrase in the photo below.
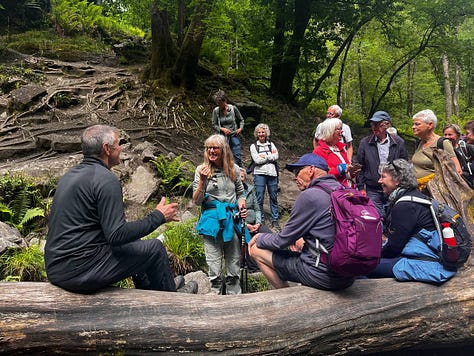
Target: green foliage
(83, 17)
(175, 174)
(21, 203)
(257, 283)
(50, 44)
(185, 246)
(126, 283)
(23, 265)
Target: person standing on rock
(224, 121)
(218, 189)
(90, 245)
(265, 173)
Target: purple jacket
(310, 218)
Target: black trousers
(146, 261)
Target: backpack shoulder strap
(414, 199)
(428, 203)
(324, 187)
(440, 142)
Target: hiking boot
(191, 288)
(179, 281)
(275, 226)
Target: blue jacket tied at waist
(217, 216)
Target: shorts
(290, 267)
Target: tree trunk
(163, 53)
(409, 57)
(331, 64)
(185, 68)
(181, 20)
(278, 44)
(448, 97)
(340, 81)
(372, 316)
(456, 90)
(410, 91)
(361, 81)
(291, 58)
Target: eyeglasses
(215, 148)
(298, 170)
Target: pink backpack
(358, 240)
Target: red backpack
(358, 240)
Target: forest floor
(75, 95)
(82, 93)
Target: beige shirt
(422, 158)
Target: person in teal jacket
(217, 187)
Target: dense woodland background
(365, 55)
(292, 59)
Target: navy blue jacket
(368, 157)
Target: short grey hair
(427, 116)
(94, 137)
(261, 126)
(337, 108)
(402, 171)
(328, 127)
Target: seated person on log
(90, 245)
(403, 219)
(310, 218)
(254, 216)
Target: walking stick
(244, 283)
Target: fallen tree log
(371, 316)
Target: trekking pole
(243, 261)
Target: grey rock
(10, 238)
(201, 279)
(142, 185)
(25, 96)
(59, 143)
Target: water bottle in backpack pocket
(454, 252)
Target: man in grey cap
(375, 149)
(309, 231)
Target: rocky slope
(47, 104)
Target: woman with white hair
(265, 173)
(334, 152)
(424, 125)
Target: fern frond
(30, 214)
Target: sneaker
(191, 288)
(179, 281)
(276, 226)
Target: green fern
(21, 203)
(6, 214)
(29, 215)
(175, 174)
